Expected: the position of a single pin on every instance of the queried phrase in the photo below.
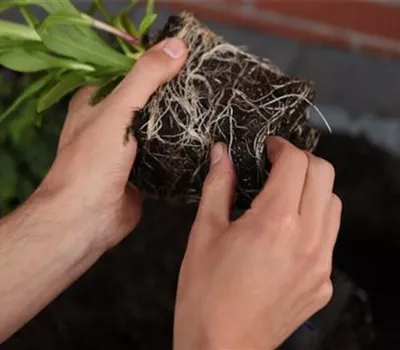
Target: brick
(286, 28)
(280, 50)
(363, 16)
(243, 20)
(227, 2)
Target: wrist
(61, 211)
(101, 211)
(44, 249)
(82, 210)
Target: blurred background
(351, 50)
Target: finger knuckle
(323, 167)
(74, 102)
(146, 66)
(288, 221)
(337, 203)
(217, 178)
(285, 222)
(310, 252)
(323, 273)
(81, 99)
(325, 294)
(299, 157)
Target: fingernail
(174, 48)
(216, 153)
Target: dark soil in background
(126, 301)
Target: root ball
(222, 94)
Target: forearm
(42, 251)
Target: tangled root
(222, 94)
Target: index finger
(81, 99)
(287, 176)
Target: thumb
(218, 193)
(157, 66)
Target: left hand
(85, 205)
(94, 160)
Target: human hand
(84, 205)
(249, 284)
(94, 160)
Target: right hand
(249, 284)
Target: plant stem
(117, 32)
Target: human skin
(250, 283)
(85, 206)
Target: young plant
(222, 94)
(67, 50)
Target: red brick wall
(373, 26)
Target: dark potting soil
(126, 300)
(223, 94)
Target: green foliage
(150, 7)
(98, 6)
(27, 61)
(147, 23)
(106, 88)
(17, 31)
(26, 151)
(68, 83)
(50, 6)
(27, 94)
(53, 58)
(30, 19)
(66, 45)
(58, 38)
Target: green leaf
(50, 6)
(7, 45)
(59, 38)
(101, 9)
(32, 90)
(66, 18)
(130, 26)
(150, 7)
(117, 22)
(105, 89)
(21, 60)
(128, 8)
(67, 84)
(24, 119)
(38, 119)
(29, 17)
(91, 11)
(5, 5)
(146, 23)
(17, 31)
(102, 75)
